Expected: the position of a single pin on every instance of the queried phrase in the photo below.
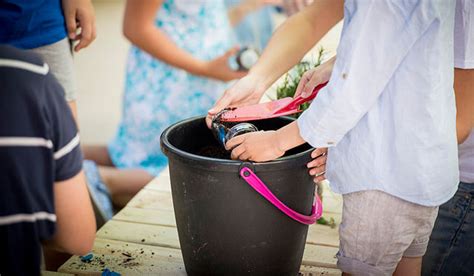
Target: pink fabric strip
(252, 179)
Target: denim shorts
(451, 247)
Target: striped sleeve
(65, 137)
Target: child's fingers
(319, 178)
(244, 156)
(317, 162)
(234, 142)
(236, 152)
(318, 170)
(224, 101)
(87, 36)
(71, 25)
(232, 51)
(308, 88)
(304, 79)
(319, 151)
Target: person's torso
(200, 27)
(26, 168)
(405, 144)
(31, 24)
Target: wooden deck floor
(142, 239)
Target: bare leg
(409, 267)
(98, 154)
(123, 184)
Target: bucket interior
(197, 139)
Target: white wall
(100, 72)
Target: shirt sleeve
(65, 137)
(374, 41)
(464, 35)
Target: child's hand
(219, 69)
(245, 91)
(314, 77)
(317, 167)
(256, 146)
(79, 14)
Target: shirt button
(344, 75)
(330, 143)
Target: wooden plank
(151, 199)
(148, 234)
(316, 255)
(317, 234)
(113, 255)
(323, 235)
(54, 273)
(127, 259)
(160, 183)
(320, 256)
(146, 216)
(317, 271)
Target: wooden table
(142, 238)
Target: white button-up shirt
(388, 112)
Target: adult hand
(219, 68)
(256, 146)
(246, 91)
(79, 14)
(317, 167)
(314, 77)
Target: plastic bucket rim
(203, 161)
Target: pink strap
(252, 179)
(296, 102)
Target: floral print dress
(157, 94)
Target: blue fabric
(451, 249)
(98, 190)
(157, 94)
(31, 24)
(256, 28)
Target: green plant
(293, 77)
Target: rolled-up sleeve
(374, 42)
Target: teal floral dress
(157, 94)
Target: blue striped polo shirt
(39, 145)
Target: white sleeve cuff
(314, 132)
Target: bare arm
(75, 225)
(296, 37)
(286, 48)
(464, 89)
(139, 27)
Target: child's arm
(287, 47)
(265, 145)
(464, 90)
(139, 27)
(75, 224)
(273, 144)
(80, 14)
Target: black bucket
(225, 227)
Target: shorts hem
(356, 267)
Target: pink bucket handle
(252, 179)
